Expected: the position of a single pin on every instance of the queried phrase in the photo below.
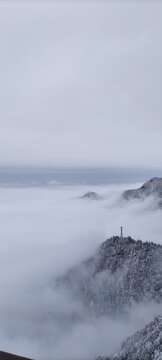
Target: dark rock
(8, 356)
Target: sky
(80, 84)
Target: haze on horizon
(81, 84)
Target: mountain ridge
(121, 272)
(145, 344)
(152, 187)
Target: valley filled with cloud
(46, 231)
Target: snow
(146, 344)
(121, 272)
(152, 187)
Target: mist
(43, 233)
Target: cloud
(43, 232)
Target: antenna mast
(121, 232)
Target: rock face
(145, 344)
(91, 195)
(7, 356)
(121, 272)
(152, 187)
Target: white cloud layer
(43, 232)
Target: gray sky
(81, 83)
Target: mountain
(152, 187)
(7, 356)
(145, 344)
(120, 273)
(91, 195)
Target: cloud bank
(45, 231)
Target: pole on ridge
(121, 232)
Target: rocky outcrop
(8, 356)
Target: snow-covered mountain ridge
(145, 344)
(152, 187)
(121, 272)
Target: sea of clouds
(44, 232)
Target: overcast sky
(81, 83)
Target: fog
(44, 232)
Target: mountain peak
(121, 272)
(92, 195)
(150, 187)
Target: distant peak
(92, 195)
(149, 188)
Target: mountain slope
(145, 344)
(8, 356)
(121, 272)
(153, 187)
